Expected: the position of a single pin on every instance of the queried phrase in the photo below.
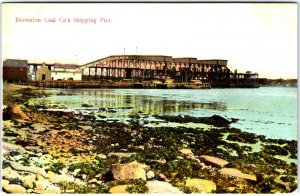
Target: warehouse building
(15, 70)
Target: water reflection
(148, 104)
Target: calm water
(270, 111)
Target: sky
(257, 37)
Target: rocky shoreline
(60, 151)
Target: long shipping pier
(126, 84)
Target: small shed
(15, 70)
(43, 73)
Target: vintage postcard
(149, 98)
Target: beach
(55, 148)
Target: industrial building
(142, 70)
(15, 70)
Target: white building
(66, 72)
(59, 72)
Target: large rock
(44, 186)
(119, 189)
(15, 112)
(200, 185)
(133, 170)
(56, 178)
(220, 120)
(237, 173)
(8, 147)
(159, 187)
(31, 169)
(13, 188)
(214, 161)
(28, 180)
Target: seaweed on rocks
(274, 150)
(215, 120)
(243, 137)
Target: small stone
(186, 151)
(101, 156)
(237, 173)
(120, 154)
(231, 189)
(85, 127)
(160, 161)
(201, 185)
(34, 149)
(119, 189)
(214, 161)
(150, 175)
(159, 187)
(39, 127)
(133, 170)
(161, 176)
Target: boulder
(237, 173)
(159, 187)
(200, 185)
(4, 182)
(44, 186)
(119, 189)
(31, 169)
(133, 170)
(8, 147)
(56, 178)
(13, 188)
(14, 112)
(214, 161)
(28, 180)
(220, 119)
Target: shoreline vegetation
(59, 151)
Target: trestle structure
(151, 67)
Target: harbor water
(269, 111)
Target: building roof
(162, 58)
(15, 63)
